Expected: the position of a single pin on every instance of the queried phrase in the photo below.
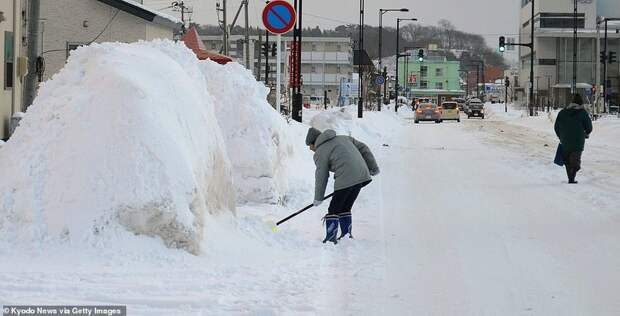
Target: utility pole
(226, 30)
(385, 84)
(297, 40)
(248, 65)
(574, 83)
(260, 56)
(381, 12)
(266, 52)
(360, 101)
(605, 68)
(532, 62)
(33, 51)
(180, 5)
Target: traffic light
(274, 49)
(502, 44)
(507, 82)
(420, 55)
(612, 57)
(603, 58)
(265, 49)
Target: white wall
(64, 22)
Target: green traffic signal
(502, 44)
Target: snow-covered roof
(141, 11)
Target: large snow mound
(111, 141)
(256, 136)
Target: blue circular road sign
(379, 80)
(279, 16)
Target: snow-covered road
(465, 219)
(473, 229)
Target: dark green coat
(572, 125)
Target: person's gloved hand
(374, 172)
(587, 135)
(317, 203)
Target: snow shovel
(275, 227)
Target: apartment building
(326, 62)
(553, 54)
(433, 77)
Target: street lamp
(398, 55)
(381, 13)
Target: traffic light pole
(278, 72)
(605, 68)
(266, 52)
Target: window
(546, 62)
(561, 20)
(438, 85)
(73, 46)
(314, 47)
(423, 84)
(8, 60)
(438, 72)
(423, 71)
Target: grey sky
(487, 17)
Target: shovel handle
(301, 211)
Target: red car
(428, 112)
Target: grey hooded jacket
(350, 160)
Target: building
(434, 77)
(553, 54)
(13, 64)
(68, 24)
(326, 62)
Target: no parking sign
(279, 17)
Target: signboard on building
(413, 79)
(293, 66)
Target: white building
(326, 61)
(553, 53)
(68, 24)
(13, 63)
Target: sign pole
(278, 71)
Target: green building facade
(435, 76)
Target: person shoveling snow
(352, 163)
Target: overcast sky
(485, 17)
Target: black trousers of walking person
(572, 162)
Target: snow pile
(112, 140)
(255, 134)
(374, 128)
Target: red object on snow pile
(193, 42)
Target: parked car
(450, 111)
(475, 109)
(428, 112)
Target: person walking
(572, 126)
(352, 163)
